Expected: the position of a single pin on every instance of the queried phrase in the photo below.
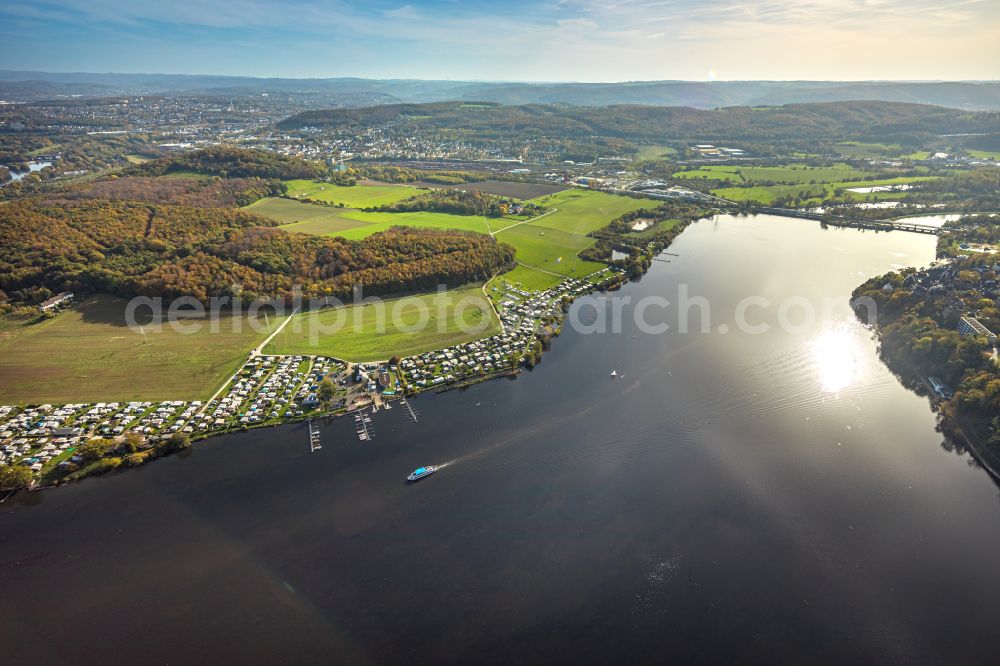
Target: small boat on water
(614, 373)
(421, 472)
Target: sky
(510, 40)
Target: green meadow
(547, 246)
(993, 155)
(550, 249)
(529, 278)
(362, 195)
(862, 149)
(652, 153)
(302, 217)
(582, 211)
(306, 218)
(87, 353)
(815, 193)
(406, 326)
(375, 221)
(792, 174)
(550, 243)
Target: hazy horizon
(122, 72)
(584, 41)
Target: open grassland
(652, 153)
(993, 155)
(814, 193)
(87, 354)
(583, 211)
(791, 174)
(374, 222)
(512, 189)
(862, 149)
(362, 195)
(729, 174)
(550, 243)
(302, 217)
(499, 223)
(527, 278)
(305, 218)
(550, 249)
(408, 325)
(331, 226)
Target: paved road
(260, 348)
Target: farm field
(993, 155)
(813, 193)
(527, 278)
(551, 243)
(303, 217)
(511, 189)
(550, 249)
(792, 174)
(358, 337)
(332, 226)
(650, 153)
(87, 354)
(353, 224)
(499, 223)
(861, 149)
(362, 195)
(583, 211)
(376, 221)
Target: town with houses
(269, 389)
(946, 280)
(163, 124)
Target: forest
(213, 192)
(132, 248)
(233, 163)
(143, 233)
(856, 120)
(396, 174)
(456, 202)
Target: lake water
(32, 168)
(879, 188)
(733, 497)
(931, 220)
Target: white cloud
(567, 40)
(577, 23)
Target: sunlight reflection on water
(838, 358)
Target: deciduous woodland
(233, 163)
(918, 315)
(130, 248)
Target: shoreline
(159, 444)
(409, 389)
(950, 416)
